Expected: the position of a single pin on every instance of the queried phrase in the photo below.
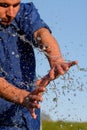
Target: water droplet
(13, 53)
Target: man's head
(8, 10)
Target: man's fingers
(72, 63)
(55, 72)
(38, 90)
(51, 74)
(34, 105)
(35, 98)
(32, 112)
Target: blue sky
(68, 22)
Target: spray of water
(65, 84)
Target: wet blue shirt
(17, 65)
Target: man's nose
(10, 11)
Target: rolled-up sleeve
(30, 20)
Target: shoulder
(26, 7)
(25, 12)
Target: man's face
(8, 10)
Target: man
(21, 28)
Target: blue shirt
(17, 64)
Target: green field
(49, 125)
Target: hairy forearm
(48, 44)
(11, 93)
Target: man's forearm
(21, 97)
(48, 44)
(11, 93)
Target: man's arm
(48, 43)
(50, 46)
(22, 97)
(10, 92)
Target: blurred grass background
(60, 125)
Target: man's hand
(31, 101)
(60, 68)
(55, 72)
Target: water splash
(65, 84)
